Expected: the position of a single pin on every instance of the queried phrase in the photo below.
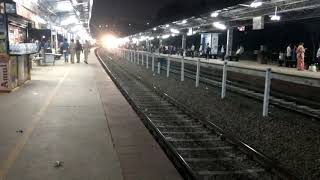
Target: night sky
(118, 14)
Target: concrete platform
(306, 77)
(73, 113)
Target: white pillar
(267, 93)
(182, 68)
(198, 73)
(168, 66)
(229, 42)
(152, 62)
(184, 42)
(142, 58)
(224, 80)
(159, 67)
(147, 60)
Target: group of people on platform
(74, 49)
(296, 54)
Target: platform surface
(73, 113)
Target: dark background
(118, 14)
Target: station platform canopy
(263, 11)
(69, 15)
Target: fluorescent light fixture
(77, 28)
(40, 20)
(190, 32)
(219, 25)
(256, 4)
(175, 31)
(70, 20)
(75, 2)
(151, 38)
(215, 14)
(275, 18)
(64, 6)
(165, 36)
(134, 40)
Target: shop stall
(14, 50)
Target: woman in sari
(300, 57)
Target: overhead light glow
(219, 25)
(167, 25)
(70, 20)
(135, 40)
(256, 4)
(64, 6)
(154, 29)
(175, 31)
(275, 18)
(184, 22)
(215, 14)
(165, 36)
(39, 20)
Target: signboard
(4, 73)
(258, 23)
(211, 39)
(11, 8)
(214, 43)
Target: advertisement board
(211, 39)
(4, 73)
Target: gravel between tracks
(288, 137)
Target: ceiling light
(275, 17)
(175, 31)
(64, 6)
(167, 25)
(215, 14)
(219, 25)
(184, 22)
(154, 29)
(70, 20)
(255, 4)
(165, 36)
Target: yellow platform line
(14, 153)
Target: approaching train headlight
(110, 41)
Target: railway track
(199, 149)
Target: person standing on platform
(222, 52)
(294, 56)
(208, 51)
(72, 50)
(318, 57)
(193, 48)
(300, 57)
(79, 49)
(86, 51)
(65, 50)
(288, 55)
